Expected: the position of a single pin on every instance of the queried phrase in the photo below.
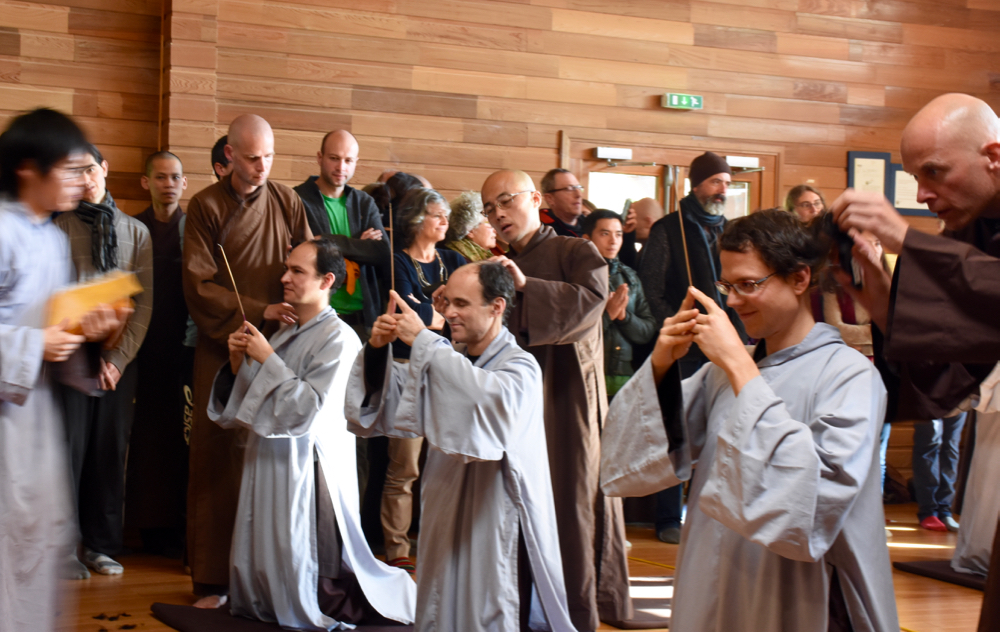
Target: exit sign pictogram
(677, 101)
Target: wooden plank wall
(454, 89)
(97, 60)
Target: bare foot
(211, 602)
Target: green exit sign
(679, 101)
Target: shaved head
(340, 137)
(250, 147)
(952, 147)
(647, 212)
(511, 203)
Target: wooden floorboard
(925, 605)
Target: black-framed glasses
(503, 201)
(743, 288)
(574, 187)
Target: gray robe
(293, 405)
(36, 519)
(786, 492)
(486, 479)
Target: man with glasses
(563, 197)
(665, 278)
(562, 290)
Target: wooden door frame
(573, 152)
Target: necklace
(424, 283)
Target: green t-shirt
(341, 301)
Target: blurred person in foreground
(42, 157)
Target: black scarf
(103, 238)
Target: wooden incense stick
(235, 291)
(392, 248)
(684, 242)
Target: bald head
(952, 147)
(337, 160)
(250, 148)
(248, 128)
(647, 212)
(511, 203)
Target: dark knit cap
(707, 165)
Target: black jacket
(372, 255)
(663, 271)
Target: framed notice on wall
(869, 171)
(904, 193)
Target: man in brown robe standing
(256, 221)
(941, 305)
(562, 289)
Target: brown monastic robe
(256, 234)
(946, 297)
(557, 318)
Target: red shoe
(933, 523)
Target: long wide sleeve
(653, 433)
(213, 307)
(947, 296)
(272, 400)
(461, 409)
(21, 350)
(789, 484)
(563, 312)
(370, 407)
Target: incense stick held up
(684, 242)
(235, 291)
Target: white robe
(786, 491)
(486, 479)
(981, 509)
(36, 519)
(293, 405)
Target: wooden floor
(925, 605)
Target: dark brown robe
(557, 318)
(256, 234)
(946, 297)
(156, 483)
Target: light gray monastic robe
(36, 519)
(486, 479)
(786, 492)
(293, 405)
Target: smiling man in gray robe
(299, 557)
(489, 556)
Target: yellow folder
(72, 304)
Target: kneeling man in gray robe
(489, 556)
(299, 557)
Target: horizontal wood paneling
(97, 60)
(456, 88)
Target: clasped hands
(247, 341)
(714, 335)
(391, 326)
